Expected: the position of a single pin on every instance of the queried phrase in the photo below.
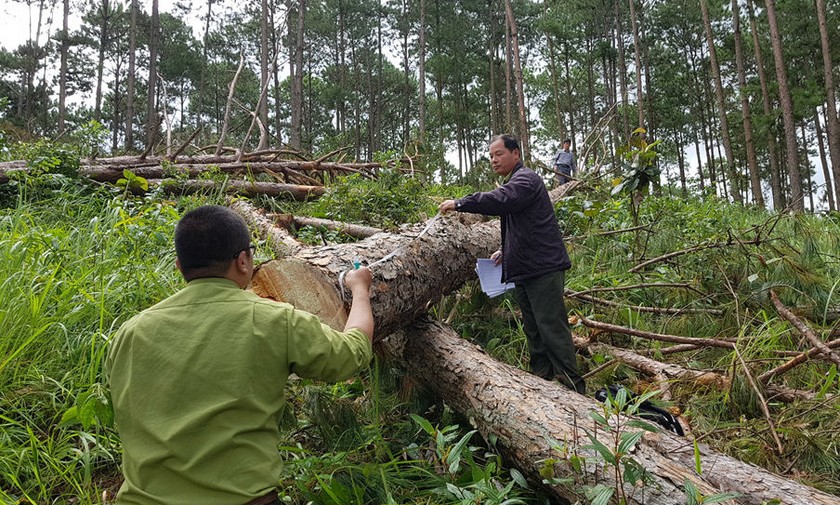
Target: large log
(529, 417)
(418, 272)
(520, 411)
(246, 188)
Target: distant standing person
(564, 162)
(533, 257)
(197, 381)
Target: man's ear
(178, 264)
(241, 262)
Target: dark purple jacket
(532, 244)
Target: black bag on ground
(647, 410)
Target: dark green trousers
(546, 326)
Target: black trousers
(546, 326)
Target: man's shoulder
(526, 177)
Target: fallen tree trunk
(538, 425)
(522, 412)
(246, 188)
(416, 274)
(418, 271)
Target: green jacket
(197, 383)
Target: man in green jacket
(197, 380)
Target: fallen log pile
(295, 178)
(538, 425)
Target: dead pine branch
(803, 329)
(185, 144)
(764, 408)
(684, 285)
(290, 222)
(671, 255)
(231, 87)
(653, 310)
(663, 372)
(707, 342)
(796, 360)
(245, 188)
(575, 238)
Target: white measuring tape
(386, 257)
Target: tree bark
(62, 76)
(829, 195)
(296, 77)
(264, 73)
(520, 87)
(129, 94)
(421, 70)
(637, 51)
(152, 123)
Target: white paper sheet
(490, 277)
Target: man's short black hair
(567, 141)
(510, 141)
(207, 239)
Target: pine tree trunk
(520, 87)
(264, 71)
(296, 77)
(539, 425)
(622, 73)
(532, 421)
(152, 123)
(775, 172)
(832, 123)
(421, 69)
(62, 77)
(797, 201)
(721, 104)
(132, 50)
(752, 163)
(823, 161)
(640, 92)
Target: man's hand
(496, 257)
(360, 315)
(358, 281)
(446, 206)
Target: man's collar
(516, 167)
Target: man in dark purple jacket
(533, 257)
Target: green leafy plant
(92, 408)
(46, 157)
(614, 421)
(132, 182)
(89, 137)
(695, 497)
(641, 171)
(387, 201)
